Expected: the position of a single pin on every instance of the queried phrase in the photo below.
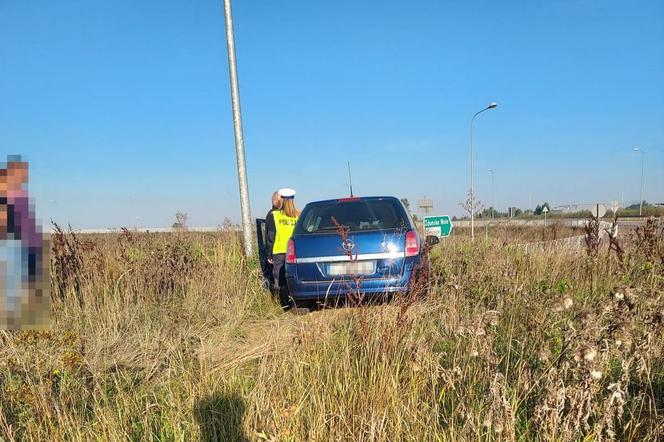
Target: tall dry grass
(171, 337)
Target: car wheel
(420, 284)
(300, 310)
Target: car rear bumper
(320, 291)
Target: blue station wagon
(357, 245)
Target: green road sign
(440, 226)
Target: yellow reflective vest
(285, 225)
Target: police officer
(270, 227)
(284, 221)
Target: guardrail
(570, 242)
(155, 230)
(570, 222)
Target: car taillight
(290, 252)
(412, 243)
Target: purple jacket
(24, 220)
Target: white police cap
(287, 193)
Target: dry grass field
(521, 234)
(171, 337)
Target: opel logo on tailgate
(348, 245)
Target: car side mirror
(432, 240)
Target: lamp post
(247, 226)
(472, 171)
(643, 156)
(493, 203)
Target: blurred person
(284, 220)
(22, 250)
(26, 226)
(13, 266)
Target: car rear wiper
(328, 228)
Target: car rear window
(358, 215)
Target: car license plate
(351, 268)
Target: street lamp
(247, 226)
(493, 203)
(472, 171)
(643, 156)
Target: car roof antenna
(350, 180)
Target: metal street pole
(247, 227)
(530, 201)
(643, 156)
(486, 233)
(493, 202)
(472, 171)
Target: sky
(123, 107)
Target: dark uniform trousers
(278, 273)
